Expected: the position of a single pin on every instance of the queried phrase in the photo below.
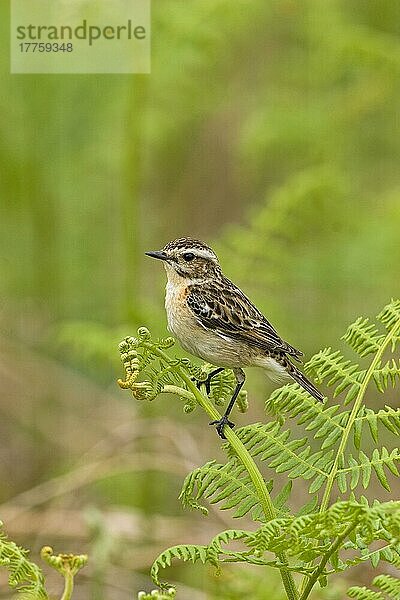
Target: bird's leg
(207, 382)
(220, 423)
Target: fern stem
(353, 415)
(69, 586)
(178, 391)
(249, 464)
(319, 570)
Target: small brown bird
(214, 320)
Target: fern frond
(388, 584)
(189, 552)
(387, 417)
(323, 420)
(274, 447)
(332, 368)
(390, 314)
(197, 372)
(229, 484)
(214, 554)
(364, 466)
(313, 541)
(149, 371)
(25, 576)
(394, 559)
(304, 537)
(221, 389)
(312, 535)
(362, 593)
(387, 374)
(222, 386)
(217, 553)
(363, 337)
(329, 422)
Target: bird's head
(188, 258)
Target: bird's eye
(188, 256)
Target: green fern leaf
(274, 447)
(229, 485)
(388, 584)
(309, 507)
(24, 575)
(315, 538)
(298, 535)
(305, 538)
(362, 593)
(387, 374)
(332, 368)
(222, 386)
(325, 421)
(387, 417)
(189, 552)
(390, 314)
(363, 337)
(197, 372)
(364, 467)
(227, 536)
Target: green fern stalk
(353, 415)
(68, 565)
(379, 345)
(311, 581)
(244, 457)
(323, 537)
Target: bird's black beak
(158, 254)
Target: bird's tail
(302, 380)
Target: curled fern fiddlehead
(67, 565)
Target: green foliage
(222, 386)
(68, 565)
(305, 538)
(25, 576)
(330, 533)
(229, 485)
(283, 147)
(388, 584)
(329, 423)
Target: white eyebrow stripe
(203, 253)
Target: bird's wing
(229, 313)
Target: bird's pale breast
(198, 340)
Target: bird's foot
(220, 424)
(206, 383)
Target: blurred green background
(270, 129)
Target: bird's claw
(206, 383)
(220, 424)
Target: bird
(214, 320)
